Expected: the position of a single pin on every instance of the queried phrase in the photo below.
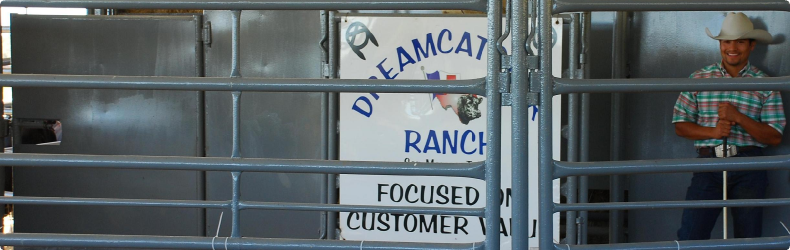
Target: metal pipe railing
(479, 5)
(564, 169)
(334, 62)
(472, 170)
(493, 126)
(235, 72)
(673, 204)
(243, 205)
(584, 130)
(619, 70)
(472, 86)
(545, 135)
(730, 244)
(572, 183)
(565, 86)
(561, 6)
(519, 124)
(568, 169)
(214, 243)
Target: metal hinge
(533, 98)
(504, 75)
(534, 81)
(507, 99)
(207, 34)
(325, 70)
(533, 62)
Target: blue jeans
(697, 223)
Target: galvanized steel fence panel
(547, 86)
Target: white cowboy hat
(738, 26)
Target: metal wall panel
(274, 44)
(667, 44)
(110, 122)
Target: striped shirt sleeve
(686, 108)
(773, 112)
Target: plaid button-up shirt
(702, 107)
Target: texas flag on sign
(441, 75)
(443, 98)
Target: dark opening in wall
(40, 131)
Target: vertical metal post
(520, 135)
(323, 227)
(545, 161)
(494, 127)
(333, 60)
(573, 128)
(236, 72)
(584, 128)
(618, 71)
(201, 125)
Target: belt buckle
(731, 151)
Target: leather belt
(718, 151)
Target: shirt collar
(741, 73)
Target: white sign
(429, 127)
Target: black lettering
(381, 192)
(482, 224)
(397, 221)
(400, 192)
(444, 225)
(348, 221)
(456, 197)
(422, 195)
(426, 227)
(469, 192)
(372, 221)
(461, 227)
(409, 192)
(406, 222)
(444, 196)
(503, 229)
(505, 197)
(384, 222)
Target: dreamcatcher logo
(356, 29)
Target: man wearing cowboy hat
(749, 120)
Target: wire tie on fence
(473, 245)
(783, 225)
(219, 225)
(360, 244)
(226, 243)
(569, 246)
(676, 242)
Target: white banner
(429, 127)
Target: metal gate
(521, 79)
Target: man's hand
(722, 129)
(729, 112)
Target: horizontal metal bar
(561, 6)
(473, 170)
(670, 204)
(205, 243)
(16, 200)
(69, 201)
(565, 169)
(565, 86)
(479, 5)
(359, 208)
(718, 244)
(471, 86)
